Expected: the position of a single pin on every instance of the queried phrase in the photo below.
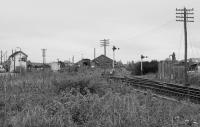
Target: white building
(18, 61)
(55, 66)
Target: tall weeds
(84, 99)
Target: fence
(169, 71)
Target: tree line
(148, 67)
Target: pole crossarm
(192, 9)
(184, 15)
(183, 20)
(104, 43)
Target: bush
(148, 67)
(85, 100)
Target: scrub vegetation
(85, 99)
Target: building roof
(82, 60)
(102, 58)
(17, 52)
(103, 61)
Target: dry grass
(194, 79)
(84, 99)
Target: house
(68, 63)
(55, 66)
(194, 60)
(103, 62)
(2, 69)
(193, 64)
(18, 61)
(84, 62)
(36, 66)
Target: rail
(168, 89)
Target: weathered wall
(17, 63)
(55, 66)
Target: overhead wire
(152, 31)
(195, 51)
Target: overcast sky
(69, 28)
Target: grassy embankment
(84, 99)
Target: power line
(151, 31)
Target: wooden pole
(141, 67)
(185, 33)
(1, 56)
(184, 17)
(94, 53)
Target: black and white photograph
(99, 63)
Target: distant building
(18, 61)
(2, 69)
(194, 60)
(193, 64)
(68, 63)
(103, 62)
(84, 62)
(32, 66)
(55, 66)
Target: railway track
(167, 89)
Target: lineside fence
(170, 72)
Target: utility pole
(104, 43)
(4, 56)
(44, 55)
(73, 60)
(183, 16)
(13, 59)
(1, 56)
(94, 53)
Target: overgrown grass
(84, 99)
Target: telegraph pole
(184, 15)
(1, 56)
(4, 56)
(44, 55)
(73, 60)
(94, 53)
(104, 43)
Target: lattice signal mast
(44, 55)
(104, 43)
(185, 15)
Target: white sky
(69, 28)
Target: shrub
(84, 99)
(148, 67)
